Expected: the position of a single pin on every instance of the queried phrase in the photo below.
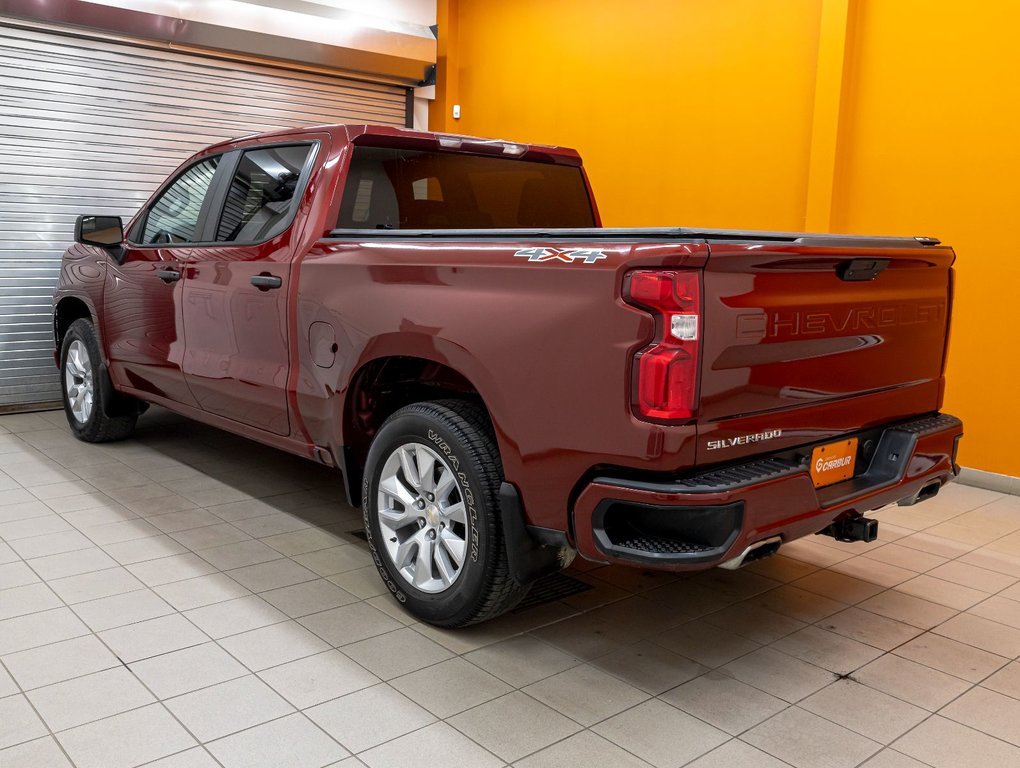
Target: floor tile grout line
(937, 713)
(581, 728)
(53, 642)
(52, 734)
(419, 729)
(970, 548)
(303, 713)
(911, 757)
(974, 549)
(200, 745)
(119, 663)
(29, 538)
(618, 746)
(526, 633)
(737, 738)
(980, 684)
(153, 588)
(993, 621)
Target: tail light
(666, 386)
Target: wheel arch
(383, 385)
(72, 307)
(66, 310)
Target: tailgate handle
(861, 269)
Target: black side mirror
(102, 231)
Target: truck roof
(408, 138)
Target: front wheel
(85, 391)
(431, 507)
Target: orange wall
(701, 113)
(931, 145)
(717, 105)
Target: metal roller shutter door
(89, 126)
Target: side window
(260, 202)
(370, 195)
(173, 218)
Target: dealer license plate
(833, 462)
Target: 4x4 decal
(568, 255)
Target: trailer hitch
(856, 528)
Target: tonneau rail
(645, 233)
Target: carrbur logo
(825, 465)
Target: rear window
(404, 189)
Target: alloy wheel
(422, 517)
(78, 381)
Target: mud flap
(114, 403)
(527, 559)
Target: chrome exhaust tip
(757, 551)
(929, 491)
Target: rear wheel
(431, 509)
(86, 391)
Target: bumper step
(757, 471)
(662, 546)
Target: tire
(417, 517)
(86, 388)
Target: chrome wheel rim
(78, 381)
(422, 518)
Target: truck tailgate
(804, 342)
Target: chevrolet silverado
(502, 382)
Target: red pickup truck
(502, 382)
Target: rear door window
(263, 195)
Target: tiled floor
(187, 598)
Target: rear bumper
(714, 516)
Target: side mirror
(101, 231)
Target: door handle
(168, 275)
(266, 282)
